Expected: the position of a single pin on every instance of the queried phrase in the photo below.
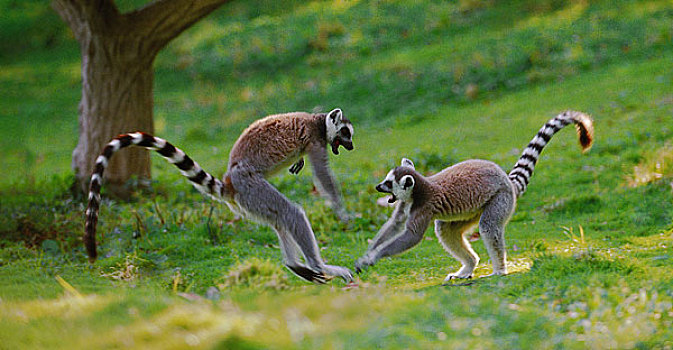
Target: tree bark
(117, 80)
(117, 77)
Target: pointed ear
(407, 181)
(408, 163)
(335, 116)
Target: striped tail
(523, 169)
(203, 181)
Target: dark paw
(361, 265)
(453, 277)
(296, 167)
(307, 274)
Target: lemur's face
(399, 182)
(339, 131)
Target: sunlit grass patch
(626, 323)
(519, 265)
(72, 304)
(196, 324)
(126, 270)
(255, 273)
(485, 269)
(656, 164)
(663, 240)
(616, 316)
(66, 307)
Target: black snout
(382, 188)
(347, 145)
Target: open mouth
(337, 142)
(383, 189)
(335, 146)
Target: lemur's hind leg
(492, 228)
(265, 203)
(292, 260)
(452, 237)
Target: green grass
(590, 243)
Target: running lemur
(459, 197)
(265, 147)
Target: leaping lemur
(459, 197)
(265, 147)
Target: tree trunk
(117, 55)
(117, 82)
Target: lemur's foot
(363, 263)
(338, 271)
(453, 276)
(460, 274)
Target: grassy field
(589, 245)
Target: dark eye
(388, 184)
(345, 133)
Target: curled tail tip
(585, 130)
(586, 141)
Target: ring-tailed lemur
(265, 147)
(459, 197)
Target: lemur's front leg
(392, 227)
(389, 244)
(325, 183)
(296, 167)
